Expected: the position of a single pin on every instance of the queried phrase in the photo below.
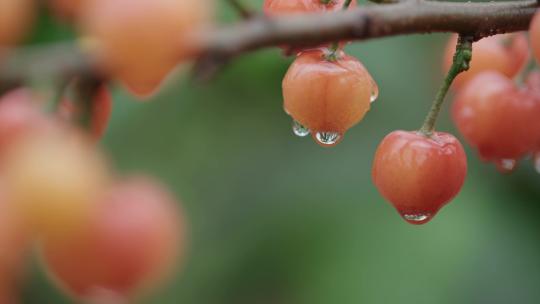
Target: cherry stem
(86, 88)
(460, 63)
(335, 45)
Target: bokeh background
(276, 219)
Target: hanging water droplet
(328, 138)
(416, 218)
(506, 165)
(536, 160)
(299, 130)
(374, 91)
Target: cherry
(141, 41)
(131, 242)
(327, 95)
(100, 112)
(497, 118)
(506, 54)
(16, 18)
(54, 177)
(419, 174)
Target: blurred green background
(276, 219)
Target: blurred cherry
(131, 243)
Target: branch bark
(477, 20)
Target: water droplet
(328, 138)
(416, 218)
(374, 91)
(506, 165)
(299, 130)
(536, 160)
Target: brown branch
(415, 16)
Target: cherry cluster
(101, 237)
(327, 92)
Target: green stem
(335, 45)
(462, 58)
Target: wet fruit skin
(419, 174)
(327, 96)
(497, 118)
(100, 112)
(506, 54)
(131, 242)
(534, 35)
(141, 41)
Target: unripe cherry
(16, 18)
(327, 96)
(131, 243)
(506, 54)
(419, 174)
(101, 108)
(54, 178)
(497, 118)
(141, 41)
(534, 35)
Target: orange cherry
(327, 96)
(141, 41)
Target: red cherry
(506, 54)
(131, 242)
(498, 118)
(327, 96)
(419, 174)
(101, 112)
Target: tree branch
(477, 20)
